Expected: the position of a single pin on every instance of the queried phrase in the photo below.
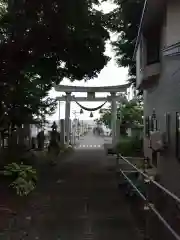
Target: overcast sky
(110, 75)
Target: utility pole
(82, 126)
(60, 115)
(76, 121)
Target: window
(153, 47)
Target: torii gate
(113, 98)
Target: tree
(125, 20)
(130, 114)
(105, 118)
(43, 42)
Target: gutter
(140, 28)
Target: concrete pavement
(77, 200)
(96, 207)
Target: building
(157, 55)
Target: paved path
(90, 142)
(97, 209)
(77, 200)
(91, 206)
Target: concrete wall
(141, 61)
(172, 22)
(164, 97)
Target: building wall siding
(164, 97)
(172, 22)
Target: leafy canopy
(43, 42)
(124, 20)
(130, 114)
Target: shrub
(130, 146)
(24, 177)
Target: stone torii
(113, 98)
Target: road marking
(88, 146)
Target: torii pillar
(113, 117)
(67, 117)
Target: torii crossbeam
(113, 98)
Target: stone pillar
(40, 140)
(62, 133)
(67, 117)
(20, 134)
(70, 130)
(27, 131)
(13, 140)
(113, 117)
(74, 131)
(59, 120)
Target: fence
(152, 228)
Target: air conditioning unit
(156, 141)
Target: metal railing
(145, 199)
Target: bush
(130, 146)
(24, 177)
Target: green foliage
(43, 42)
(105, 118)
(24, 177)
(98, 121)
(125, 20)
(130, 114)
(130, 147)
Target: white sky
(110, 75)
